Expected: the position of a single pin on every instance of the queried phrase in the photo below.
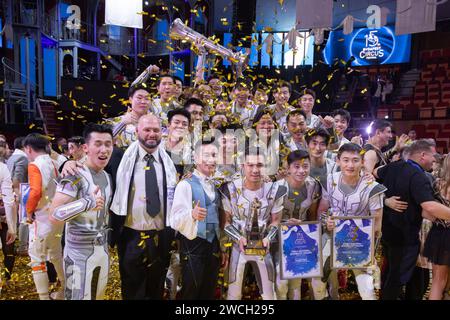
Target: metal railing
(25, 13)
(85, 32)
(50, 25)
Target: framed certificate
(300, 250)
(24, 192)
(352, 243)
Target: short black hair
(178, 111)
(297, 155)
(343, 113)
(139, 86)
(18, 142)
(175, 79)
(308, 91)
(295, 112)
(282, 84)
(37, 142)
(350, 147)
(214, 76)
(196, 101)
(261, 112)
(205, 142)
(95, 127)
(76, 139)
(60, 139)
(242, 84)
(380, 124)
(253, 151)
(261, 87)
(158, 81)
(319, 132)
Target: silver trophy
(179, 31)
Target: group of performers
(198, 180)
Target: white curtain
(124, 13)
(313, 14)
(415, 16)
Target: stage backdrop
(368, 46)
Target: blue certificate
(300, 250)
(24, 193)
(352, 243)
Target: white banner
(415, 16)
(124, 13)
(312, 14)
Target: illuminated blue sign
(368, 46)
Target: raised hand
(199, 213)
(99, 199)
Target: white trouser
(235, 288)
(288, 288)
(44, 245)
(86, 271)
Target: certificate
(300, 250)
(24, 192)
(352, 245)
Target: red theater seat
(404, 101)
(425, 111)
(441, 146)
(436, 53)
(440, 111)
(433, 97)
(446, 53)
(434, 86)
(440, 74)
(445, 85)
(446, 98)
(446, 128)
(426, 75)
(411, 111)
(419, 128)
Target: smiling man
(348, 193)
(252, 209)
(142, 200)
(195, 214)
(124, 127)
(300, 204)
(82, 202)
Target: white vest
(355, 203)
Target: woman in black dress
(437, 246)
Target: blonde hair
(444, 176)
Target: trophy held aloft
(254, 236)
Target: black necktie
(151, 188)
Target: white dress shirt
(181, 214)
(137, 217)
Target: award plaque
(254, 235)
(352, 245)
(301, 250)
(24, 192)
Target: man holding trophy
(253, 211)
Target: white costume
(238, 201)
(86, 257)
(366, 198)
(44, 237)
(296, 205)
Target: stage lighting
(369, 128)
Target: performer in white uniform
(82, 201)
(350, 194)
(124, 127)
(300, 204)
(252, 208)
(44, 238)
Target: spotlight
(369, 128)
(146, 3)
(386, 117)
